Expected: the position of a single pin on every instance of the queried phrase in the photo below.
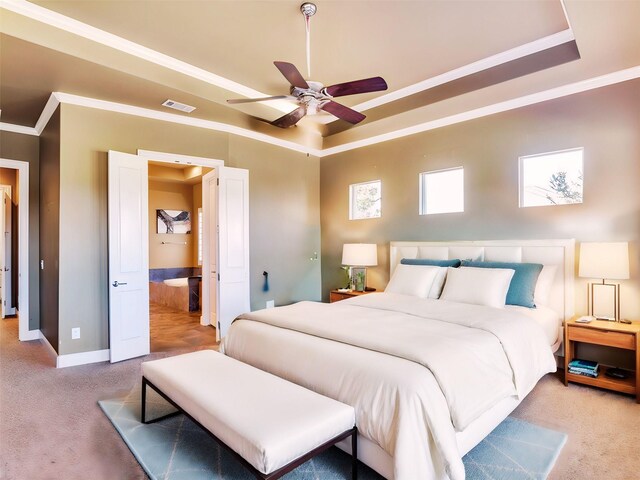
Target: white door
(3, 276)
(233, 245)
(7, 303)
(128, 256)
(210, 249)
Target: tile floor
(177, 330)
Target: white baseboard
(74, 359)
(83, 358)
(29, 335)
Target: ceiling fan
(313, 96)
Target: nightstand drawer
(336, 296)
(603, 337)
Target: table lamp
(359, 256)
(605, 260)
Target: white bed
(289, 343)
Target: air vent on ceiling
(178, 106)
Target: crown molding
(81, 29)
(47, 113)
(530, 48)
(582, 86)
(84, 30)
(10, 127)
(77, 100)
(538, 97)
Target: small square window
(553, 178)
(442, 191)
(365, 200)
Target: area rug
(177, 449)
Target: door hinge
(218, 277)
(217, 182)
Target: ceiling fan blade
(290, 119)
(374, 84)
(345, 113)
(292, 74)
(250, 100)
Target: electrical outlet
(75, 333)
(271, 303)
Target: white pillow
(543, 285)
(438, 283)
(415, 280)
(479, 286)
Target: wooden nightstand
(336, 296)
(612, 334)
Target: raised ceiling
(438, 58)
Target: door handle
(116, 284)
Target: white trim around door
(23, 241)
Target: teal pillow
(523, 284)
(428, 261)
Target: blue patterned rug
(177, 449)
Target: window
(200, 236)
(442, 191)
(551, 178)
(365, 200)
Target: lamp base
(604, 300)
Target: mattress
(418, 372)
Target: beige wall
(604, 121)
(170, 196)
(26, 148)
(284, 212)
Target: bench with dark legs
(269, 424)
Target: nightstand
(336, 296)
(612, 334)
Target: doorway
(129, 247)
(175, 258)
(19, 268)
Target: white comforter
(474, 357)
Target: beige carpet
(52, 428)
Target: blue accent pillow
(428, 261)
(523, 284)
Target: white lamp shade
(360, 254)
(606, 260)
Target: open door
(3, 274)
(225, 259)
(128, 256)
(5, 255)
(233, 246)
(210, 249)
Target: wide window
(553, 178)
(365, 200)
(442, 191)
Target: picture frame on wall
(173, 221)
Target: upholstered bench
(271, 425)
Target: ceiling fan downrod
(308, 9)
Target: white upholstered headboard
(546, 252)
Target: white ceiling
(438, 58)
